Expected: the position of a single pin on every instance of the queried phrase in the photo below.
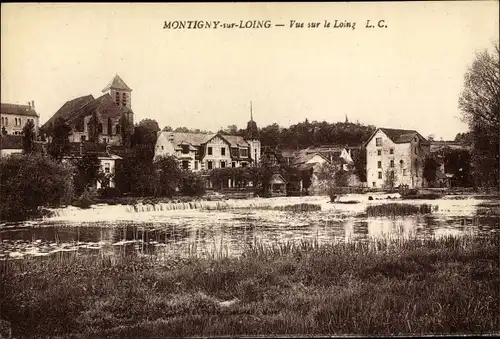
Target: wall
(372, 159)
(217, 144)
(408, 165)
(12, 128)
(255, 151)
(7, 152)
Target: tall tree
(59, 143)
(479, 103)
(29, 137)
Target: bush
(398, 209)
(29, 182)
(109, 192)
(193, 184)
(87, 198)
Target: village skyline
(206, 79)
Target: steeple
(252, 130)
(119, 92)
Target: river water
(228, 227)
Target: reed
(378, 287)
(396, 209)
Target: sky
(408, 74)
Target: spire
(251, 111)
(346, 120)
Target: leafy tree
(359, 159)
(431, 167)
(29, 137)
(390, 178)
(480, 106)
(167, 129)
(169, 176)
(193, 184)
(135, 173)
(463, 138)
(182, 130)
(149, 125)
(334, 179)
(230, 130)
(30, 182)
(59, 143)
(458, 163)
(86, 172)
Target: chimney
(29, 105)
(33, 104)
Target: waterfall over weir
(104, 212)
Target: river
(228, 227)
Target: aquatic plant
(377, 287)
(395, 209)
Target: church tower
(122, 96)
(252, 137)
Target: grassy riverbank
(433, 286)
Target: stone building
(102, 119)
(198, 151)
(13, 117)
(396, 157)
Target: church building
(101, 119)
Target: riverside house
(203, 152)
(396, 155)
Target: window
(196, 165)
(185, 149)
(106, 167)
(209, 151)
(105, 140)
(162, 147)
(380, 175)
(6, 121)
(374, 184)
(392, 163)
(2, 120)
(185, 164)
(378, 141)
(117, 98)
(222, 164)
(209, 165)
(415, 150)
(244, 164)
(405, 172)
(83, 138)
(110, 127)
(244, 152)
(379, 152)
(124, 99)
(391, 151)
(233, 164)
(379, 164)
(117, 128)
(223, 151)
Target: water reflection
(228, 232)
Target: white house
(199, 152)
(396, 155)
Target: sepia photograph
(252, 169)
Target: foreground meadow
(447, 285)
